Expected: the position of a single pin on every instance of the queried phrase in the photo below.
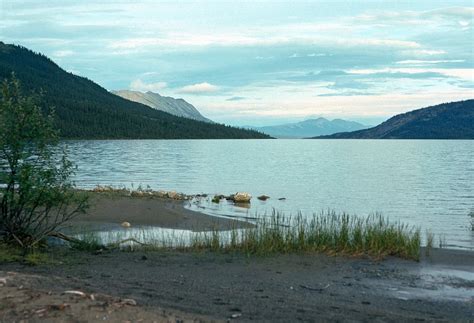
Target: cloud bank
(254, 61)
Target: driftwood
(314, 288)
(114, 245)
(64, 237)
(118, 243)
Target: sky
(261, 62)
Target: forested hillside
(453, 120)
(85, 110)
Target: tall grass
(326, 232)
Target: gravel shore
(172, 286)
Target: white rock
(173, 195)
(242, 197)
(75, 292)
(129, 301)
(126, 224)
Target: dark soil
(279, 288)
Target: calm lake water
(427, 183)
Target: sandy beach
(109, 211)
(172, 286)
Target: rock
(161, 194)
(128, 301)
(75, 292)
(176, 196)
(242, 197)
(173, 195)
(282, 199)
(231, 197)
(101, 189)
(126, 224)
(263, 197)
(137, 194)
(216, 199)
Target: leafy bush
(37, 195)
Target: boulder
(174, 195)
(126, 224)
(263, 197)
(161, 194)
(242, 197)
(102, 189)
(138, 194)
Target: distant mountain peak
(178, 107)
(316, 126)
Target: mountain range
(454, 120)
(177, 107)
(85, 110)
(310, 128)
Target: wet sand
(109, 211)
(218, 287)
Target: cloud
(424, 52)
(236, 98)
(63, 53)
(455, 15)
(427, 62)
(370, 50)
(241, 39)
(451, 12)
(139, 85)
(461, 73)
(199, 88)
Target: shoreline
(108, 211)
(203, 286)
(217, 287)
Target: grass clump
(326, 232)
(34, 257)
(89, 241)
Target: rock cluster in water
(143, 193)
(241, 198)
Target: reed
(327, 232)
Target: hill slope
(310, 127)
(86, 110)
(177, 107)
(453, 120)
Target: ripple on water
(426, 183)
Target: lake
(426, 183)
